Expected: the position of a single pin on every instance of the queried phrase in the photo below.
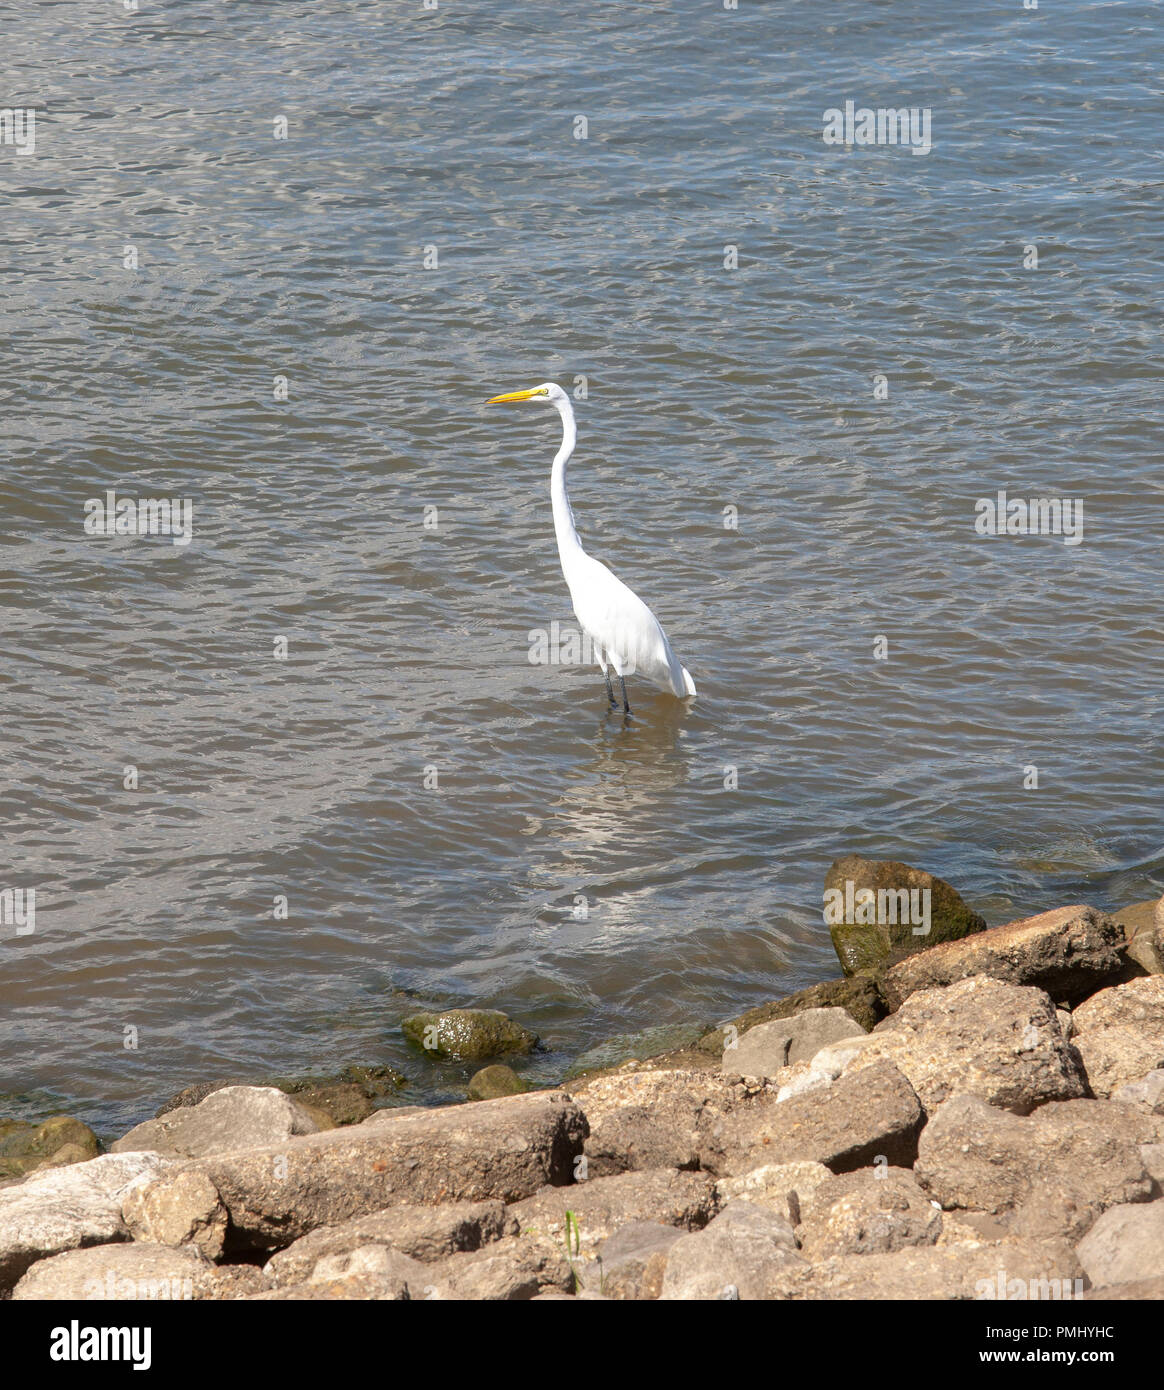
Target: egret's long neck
(569, 546)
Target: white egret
(626, 634)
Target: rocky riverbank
(967, 1113)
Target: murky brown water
(697, 838)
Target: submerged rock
(347, 1097)
(468, 1035)
(650, 1044)
(872, 898)
(26, 1147)
(491, 1082)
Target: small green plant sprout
(572, 1235)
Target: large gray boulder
(513, 1268)
(1054, 1170)
(391, 1285)
(599, 1206)
(1126, 1244)
(66, 1208)
(980, 1037)
(425, 1234)
(1113, 1058)
(781, 1187)
(1140, 1290)
(175, 1208)
(1011, 1269)
(846, 1124)
(1153, 1156)
(871, 1211)
(378, 1261)
(632, 1262)
(121, 1273)
(1146, 1093)
(765, 1049)
(235, 1117)
(1068, 953)
(1120, 1033)
(1137, 1004)
(492, 1150)
(648, 1118)
(739, 1255)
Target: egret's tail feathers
(688, 683)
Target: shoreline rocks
(493, 1150)
(982, 1115)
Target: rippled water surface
(697, 836)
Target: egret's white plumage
(626, 634)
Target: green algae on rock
(468, 1035)
(869, 937)
(60, 1140)
(494, 1081)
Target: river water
(798, 365)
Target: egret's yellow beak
(517, 396)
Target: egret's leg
(625, 701)
(609, 689)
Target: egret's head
(547, 391)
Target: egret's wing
(623, 626)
